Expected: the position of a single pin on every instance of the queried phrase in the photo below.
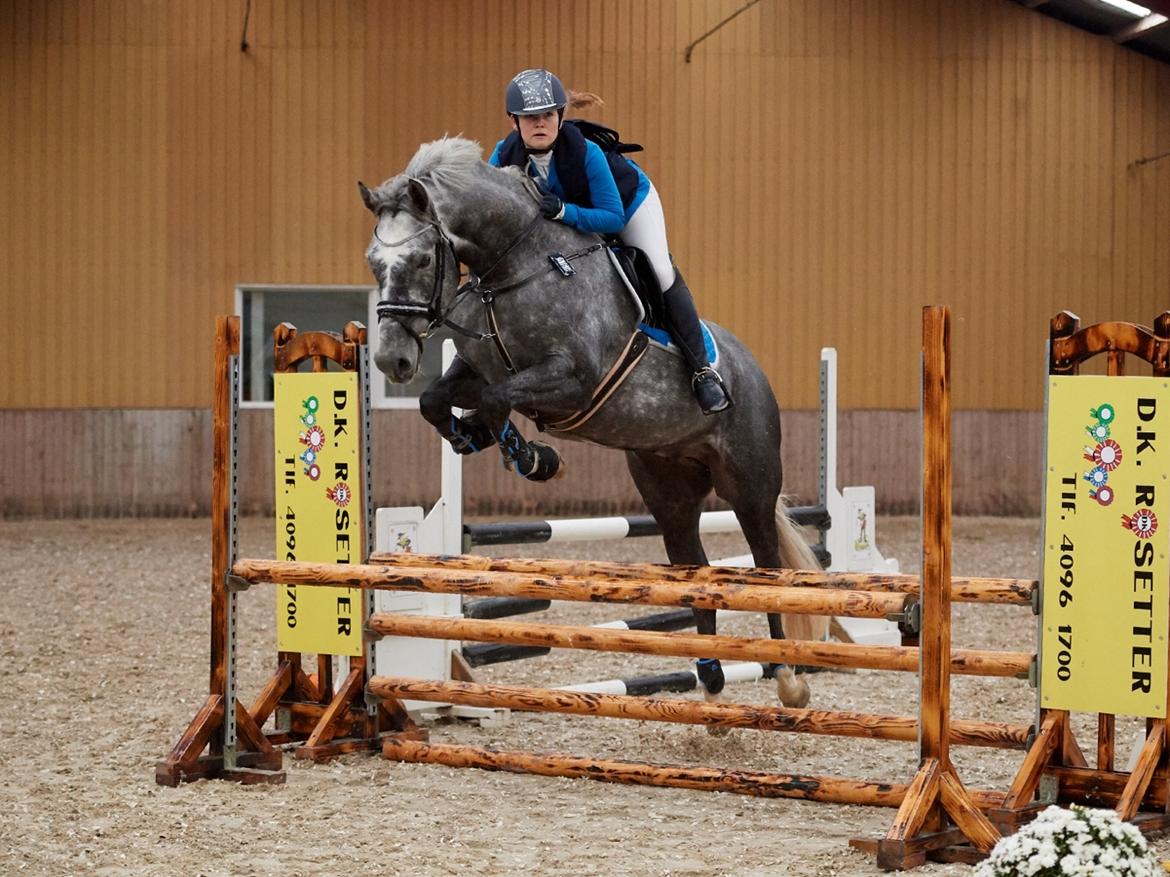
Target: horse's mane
(451, 161)
(454, 163)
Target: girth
(621, 369)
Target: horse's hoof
(715, 730)
(539, 462)
(792, 690)
(710, 674)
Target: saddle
(639, 276)
(634, 266)
(635, 269)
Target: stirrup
(708, 388)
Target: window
(318, 308)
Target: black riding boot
(683, 320)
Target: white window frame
(378, 397)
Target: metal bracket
(371, 699)
(1048, 790)
(1036, 600)
(909, 620)
(371, 636)
(235, 584)
(1034, 672)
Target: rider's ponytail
(583, 100)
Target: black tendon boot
(683, 320)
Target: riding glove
(551, 206)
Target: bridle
(433, 310)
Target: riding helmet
(532, 92)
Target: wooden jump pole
(807, 787)
(675, 710)
(968, 662)
(749, 598)
(964, 589)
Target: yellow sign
(319, 507)
(1107, 515)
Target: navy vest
(569, 158)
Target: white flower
(1065, 843)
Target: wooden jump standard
(309, 712)
(1143, 795)
(937, 816)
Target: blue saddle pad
(663, 339)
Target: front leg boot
(468, 434)
(541, 462)
(534, 461)
(710, 673)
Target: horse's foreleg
(460, 387)
(553, 385)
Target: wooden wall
(157, 463)
(827, 168)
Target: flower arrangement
(1078, 841)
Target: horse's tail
(796, 553)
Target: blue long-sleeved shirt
(606, 216)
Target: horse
(546, 327)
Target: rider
(582, 189)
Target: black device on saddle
(562, 264)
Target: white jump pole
(849, 540)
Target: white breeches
(646, 230)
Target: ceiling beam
(1142, 26)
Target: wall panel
(826, 169)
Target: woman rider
(583, 190)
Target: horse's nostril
(403, 365)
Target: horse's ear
(419, 197)
(368, 198)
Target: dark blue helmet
(532, 92)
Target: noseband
(432, 310)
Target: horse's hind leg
(750, 481)
(674, 490)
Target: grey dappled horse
(538, 341)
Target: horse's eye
(424, 262)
